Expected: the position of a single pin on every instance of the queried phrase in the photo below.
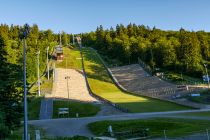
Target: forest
(180, 51)
(11, 69)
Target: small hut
(59, 53)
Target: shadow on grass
(98, 71)
(151, 106)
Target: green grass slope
(102, 85)
(72, 59)
(75, 107)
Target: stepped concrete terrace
(134, 79)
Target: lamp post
(38, 77)
(67, 77)
(73, 38)
(23, 35)
(205, 65)
(48, 75)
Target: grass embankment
(102, 85)
(83, 109)
(199, 114)
(173, 127)
(72, 59)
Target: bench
(63, 111)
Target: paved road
(78, 126)
(46, 109)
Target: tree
(205, 51)
(64, 39)
(180, 51)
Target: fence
(191, 135)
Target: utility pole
(38, 77)
(60, 40)
(73, 39)
(54, 72)
(67, 77)
(24, 35)
(205, 65)
(48, 75)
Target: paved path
(78, 126)
(46, 109)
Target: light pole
(48, 75)
(23, 35)
(73, 38)
(205, 65)
(38, 77)
(67, 77)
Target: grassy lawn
(17, 135)
(83, 109)
(71, 59)
(102, 85)
(34, 108)
(200, 114)
(173, 127)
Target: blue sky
(75, 16)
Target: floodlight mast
(25, 35)
(38, 75)
(48, 75)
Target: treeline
(11, 69)
(181, 51)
